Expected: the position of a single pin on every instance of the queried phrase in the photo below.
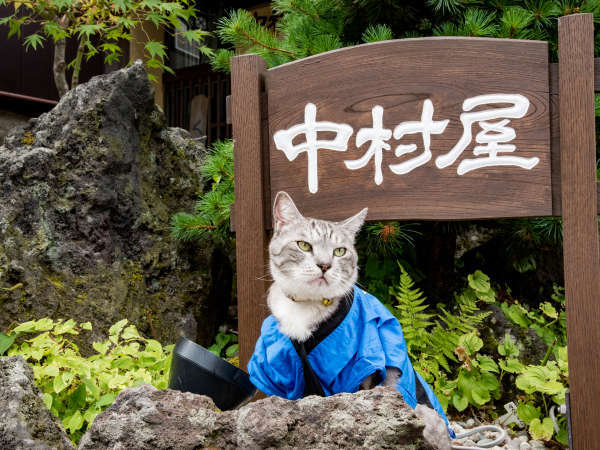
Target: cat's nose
(324, 267)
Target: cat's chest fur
(297, 319)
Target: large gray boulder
(146, 418)
(87, 191)
(25, 423)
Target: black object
(195, 369)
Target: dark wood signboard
(445, 128)
(432, 128)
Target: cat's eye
(304, 246)
(340, 251)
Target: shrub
(75, 388)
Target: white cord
(500, 439)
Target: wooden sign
(446, 128)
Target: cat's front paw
(435, 432)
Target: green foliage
(212, 210)
(375, 33)
(448, 352)
(225, 345)
(98, 26)
(75, 388)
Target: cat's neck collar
(325, 301)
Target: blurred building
(193, 98)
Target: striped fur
(297, 274)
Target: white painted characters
(284, 141)
(493, 138)
(377, 135)
(494, 135)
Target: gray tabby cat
(310, 261)
(314, 266)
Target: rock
(524, 446)
(535, 444)
(87, 192)
(25, 422)
(532, 348)
(145, 418)
(10, 120)
(514, 444)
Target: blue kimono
(367, 340)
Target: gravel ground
(513, 441)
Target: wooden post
(580, 224)
(246, 87)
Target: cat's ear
(354, 223)
(284, 211)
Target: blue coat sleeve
(274, 367)
(394, 347)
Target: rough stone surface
(25, 423)
(10, 120)
(87, 192)
(145, 418)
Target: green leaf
(511, 365)
(78, 397)
(517, 314)
(125, 362)
(50, 370)
(92, 388)
(6, 340)
(527, 412)
(541, 430)
(114, 331)
(75, 422)
(508, 347)
(470, 342)
(33, 40)
(487, 364)
(47, 399)
(130, 333)
(105, 400)
(156, 49)
(479, 281)
(153, 346)
(460, 402)
(480, 395)
(488, 381)
(66, 327)
(26, 327)
(231, 350)
(549, 310)
(540, 379)
(86, 325)
(563, 436)
(101, 347)
(58, 384)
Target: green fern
(410, 312)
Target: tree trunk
(77, 65)
(60, 67)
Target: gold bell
(327, 302)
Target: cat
(325, 335)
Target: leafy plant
(98, 26)
(212, 210)
(225, 345)
(75, 388)
(447, 351)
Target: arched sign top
(444, 128)
(398, 44)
